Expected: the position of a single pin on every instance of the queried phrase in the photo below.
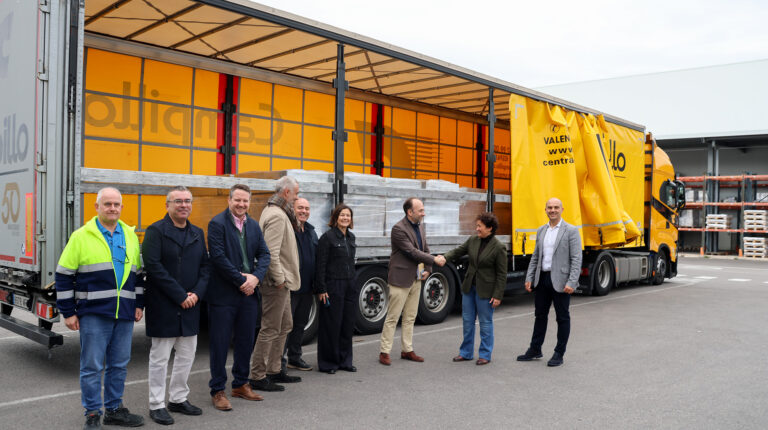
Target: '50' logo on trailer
(9, 209)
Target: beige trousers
(159, 354)
(276, 323)
(403, 301)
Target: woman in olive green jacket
(483, 286)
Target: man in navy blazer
(554, 271)
(239, 259)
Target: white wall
(726, 100)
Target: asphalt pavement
(690, 353)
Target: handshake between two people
(440, 260)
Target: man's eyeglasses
(180, 201)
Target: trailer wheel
(437, 295)
(6, 309)
(313, 323)
(373, 299)
(603, 275)
(44, 324)
(660, 269)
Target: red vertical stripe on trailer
(220, 124)
(480, 151)
(235, 141)
(374, 146)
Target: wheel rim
(435, 292)
(373, 299)
(603, 274)
(312, 314)
(661, 266)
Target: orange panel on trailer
(319, 109)
(448, 131)
(466, 161)
(252, 163)
(427, 127)
(427, 156)
(315, 165)
(110, 155)
(205, 126)
(108, 72)
(255, 98)
(288, 103)
(203, 162)
(167, 82)
(111, 117)
(285, 164)
(354, 148)
(166, 124)
(152, 209)
(317, 143)
(286, 139)
(165, 159)
(206, 89)
(447, 159)
(355, 115)
(254, 134)
(403, 154)
(403, 123)
(465, 135)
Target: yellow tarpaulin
(565, 154)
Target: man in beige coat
(278, 224)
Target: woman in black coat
(334, 286)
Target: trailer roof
(258, 36)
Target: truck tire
(603, 276)
(660, 268)
(313, 323)
(373, 299)
(6, 309)
(437, 296)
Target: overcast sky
(538, 43)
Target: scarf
(288, 209)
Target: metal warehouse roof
(257, 36)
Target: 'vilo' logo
(617, 159)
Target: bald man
(554, 273)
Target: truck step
(31, 332)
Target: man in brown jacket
(409, 264)
(278, 223)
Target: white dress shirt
(549, 246)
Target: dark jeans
(236, 323)
(545, 295)
(337, 323)
(301, 304)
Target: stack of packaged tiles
(394, 205)
(442, 215)
(756, 219)
(755, 247)
(719, 221)
(369, 210)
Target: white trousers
(159, 355)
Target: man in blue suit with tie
(554, 271)
(239, 259)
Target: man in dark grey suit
(554, 270)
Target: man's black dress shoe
(529, 355)
(556, 360)
(161, 416)
(185, 408)
(349, 369)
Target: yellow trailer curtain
(561, 153)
